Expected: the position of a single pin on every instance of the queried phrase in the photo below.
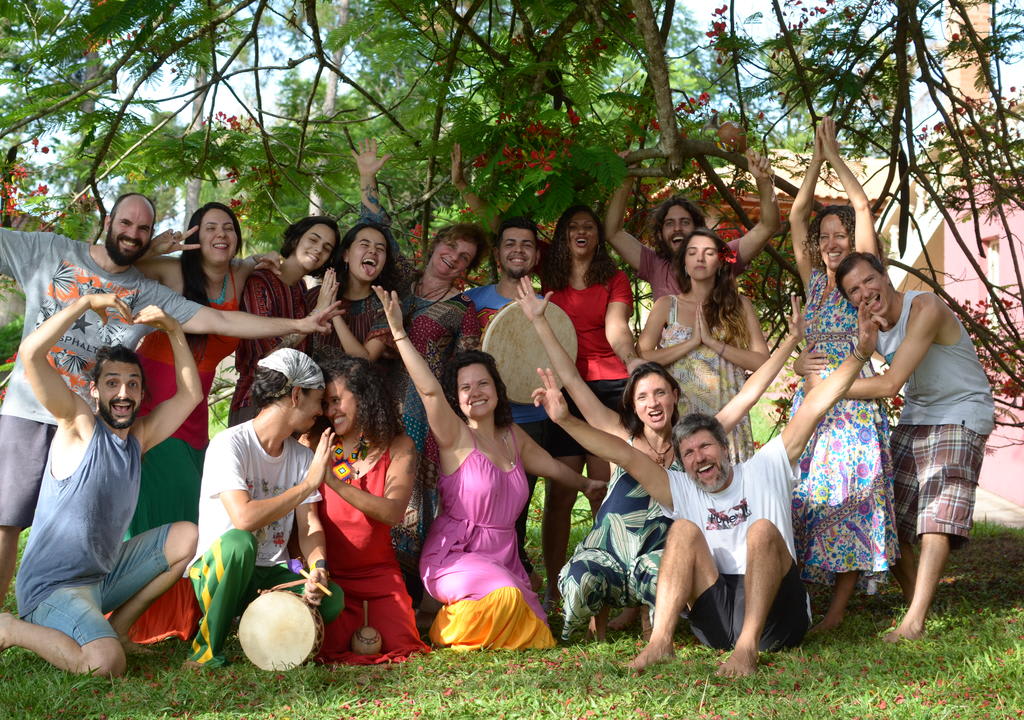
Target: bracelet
(722, 350)
(399, 339)
(857, 356)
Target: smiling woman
(309, 248)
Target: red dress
(362, 562)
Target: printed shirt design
(727, 519)
(73, 354)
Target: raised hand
(826, 135)
(156, 317)
(99, 303)
(319, 320)
(171, 241)
(868, 325)
(367, 160)
(758, 165)
(797, 320)
(321, 464)
(550, 396)
(458, 176)
(328, 291)
(392, 309)
(533, 306)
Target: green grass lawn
(969, 666)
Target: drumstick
(326, 591)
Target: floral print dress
(842, 504)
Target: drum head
(517, 350)
(278, 631)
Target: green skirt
(172, 473)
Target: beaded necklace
(341, 464)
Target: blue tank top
(80, 520)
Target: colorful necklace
(341, 464)
(223, 292)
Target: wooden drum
(517, 350)
(279, 631)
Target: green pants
(226, 579)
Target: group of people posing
(373, 452)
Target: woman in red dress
(373, 466)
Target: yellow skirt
(500, 620)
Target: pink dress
(471, 552)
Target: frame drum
(517, 350)
(279, 631)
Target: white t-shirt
(235, 460)
(761, 487)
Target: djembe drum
(279, 631)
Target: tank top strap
(515, 443)
(673, 310)
(231, 274)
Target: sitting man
(76, 567)
(729, 555)
(939, 443)
(258, 482)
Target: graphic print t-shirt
(761, 488)
(54, 271)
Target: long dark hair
(376, 412)
(388, 278)
(627, 408)
(450, 384)
(662, 246)
(556, 269)
(192, 274)
(294, 232)
(723, 310)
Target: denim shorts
(79, 611)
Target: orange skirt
(501, 620)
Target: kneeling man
(729, 555)
(76, 567)
(259, 482)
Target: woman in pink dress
(470, 561)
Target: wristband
(398, 339)
(320, 565)
(857, 356)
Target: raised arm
(252, 515)
(825, 394)
(608, 447)
(596, 412)
(66, 406)
(800, 212)
(369, 164)
(390, 507)
(444, 423)
(927, 316)
(865, 239)
(756, 385)
(614, 216)
(769, 222)
(539, 462)
(167, 417)
(482, 210)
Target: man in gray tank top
(76, 567)
(939, 443)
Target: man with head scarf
(259, 482)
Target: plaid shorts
(935, 480)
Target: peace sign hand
(172, 241)
(550, 396)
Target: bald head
(130, 228)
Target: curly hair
(194, 277)
(556, 268)
(723, 310)
(294, 232)
(662, 247)
(388, 278)
(376, 412)
(450, 384)
(847, 216)
(470, 232)
(627, 408)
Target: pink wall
(1003, 469)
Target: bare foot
(653, 653)
(827, 623)
(742, 662)
(598, 625)
(133, 648)
(905, 631)
(624, 619)
(645, 624)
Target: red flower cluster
(727, 256)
